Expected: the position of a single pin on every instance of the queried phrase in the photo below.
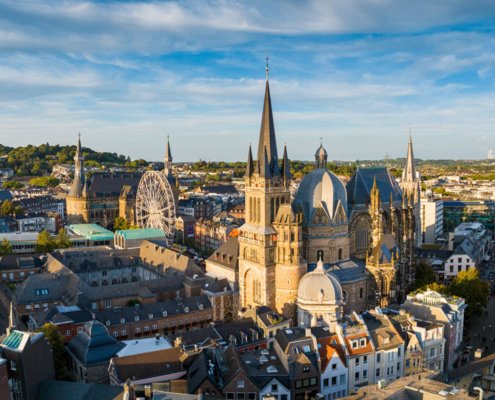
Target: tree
(5, 247)
(424, 275)
(62, 241)
(12, 185)
(44, 181)
(471, 288)
(54, 337)
(7, 208)
(44, 242)
(120, 224)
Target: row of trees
(8, 208)
(46, 243)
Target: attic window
(272, 369)
(362, 342)
(150, 316)
(41, 292)
(122, 320)
(107, 323)
(136, 318)
(186, 309)
(200, 306)
(164, 313)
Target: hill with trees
(39, 160)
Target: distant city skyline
(356, 73)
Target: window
(356, 363)
(146, 328)
(342, 379)
(365, 374)
(312, 381)
(325, 382)
(432, 352)
(240, 384)
(79, 329)
(306, 368)
(378, 372)
(354, 344)
(365, 359)
(107, 323)
(274, 388)
(230, 395)
(28, 307)
(108, 304)
(398, 366)
(298, 384)
(361, 293)
(398, 351)
(124, 332)
(138, 330)
(122, 320)
(251, 396)
(241, 396)
(356, 376)
(362, 342)
(334, 366)
(379, 357)
(408, 363)
(283, 397)
(334, 380)
(136, 318)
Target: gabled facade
(334, 373)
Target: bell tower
(267, 189)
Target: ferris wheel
(155, 205)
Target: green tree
(5, 247)
(12, 185)
(62, 241)
(44, 181)
(471, 288)
(7, 208)
(54, 337)
(120, 224)
(44, 242)
(424, 275)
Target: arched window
(344, 295)
(340, 255)
(258, 210)
(361, 293)
(320, 255)
(272, 209)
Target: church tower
(76, 202)
(267, 189)
(411, 215)
(168, 172)
(383, 256)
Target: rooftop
(91, 231)
(140, 346)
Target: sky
(360, 74)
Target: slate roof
(263, 366)
(382, 331)
(220, 189)
(5, 195)
(236, 328)
(94, 345)
(197, 337)
(110, 184)
(64, 315)
(156, 310)
(227, 254)
(345, 271)
(39, 288)
(359, 186)
(197, 373)
(50, 390)
(25, 261)
(148, 365)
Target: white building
(446, 310)
(431, 220)
(333, 380)
(389, 347)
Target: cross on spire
(267, 69)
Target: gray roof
(155, 310)
(50, 390)
(39, 288)
(226, 255)
(5, 195)
(106, 184)
(359, 186)
(321, 186)
(94, 345)
(346, 271)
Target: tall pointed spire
(168, 161)
(409, 174)
(78, 182)
(267, 132)
(265, 166)
(249, 163)
(285, 165)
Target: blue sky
(355, 72)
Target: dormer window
(122, 320)
(186, 309)
(136, 318)
(164, 313)
(200, 306)
(107, 323)
(362, 342)
(150, 316)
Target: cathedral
(333, 248)
(105, 196)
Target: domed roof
(319, 287)
(321, 187)
(321, 152)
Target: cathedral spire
(409, 174)
(265, 166)
(250, 163)
(78, 182)
(285, 165)
(267, 133)
(168, 161)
